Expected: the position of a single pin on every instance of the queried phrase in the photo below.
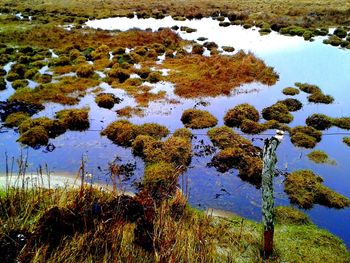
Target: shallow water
(293, 58)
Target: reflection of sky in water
(294, 59)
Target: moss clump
(183, 133)
(85, 71)
(278, 112)
(43, 78)
(346, 140)
(305, 189)
(154, 77)
(197, 49)
(123, 132)
(198, 119)
(153, 129)
(31, 73)
(228, 48)
(35, 136)
(74, 119)
(237, 152)
(318, 156)
(19, 83)
(15, 119)
(252, 127)
(121, 74)
(140, 142)
(319, 97)
(286, 215)
(305, 136)
(2, 83)
(307, 88)
(292, 104)
(343, 122)
(319, 121)
(290, 91)
(235, 116)
(106, 100)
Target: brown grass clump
(15, 119)
(123, 132)
(198, 119)
(74, 119)
(183, 133)
(235, 116)
(319, 121)
(237, 152)
(85, 71)
(106, 100)
(278, 112)
(305, 136)
(305, 189)
(198, 76)
(35, 136)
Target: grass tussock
(316, 95)
(129, 112)
(305, 189)
(346, 140)
(278, 112)
(106, 100)
(198, 119)
(91, 225)
(305, 136)
(199, 76)
(290, 91)
(236, 152)
(235, 116)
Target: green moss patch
(305, 189)
(346, 140)
(37, 135)
(342, 122)
(15, 119)
(318, 156)
(290, 91)
(235, 116)
(287, 215)
(305, 136)
(292, 104)
(278, 112)
(198, 119)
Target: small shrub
(278, 112)
(198, 119)
(319, 121)
(290, 91)
(235, 116)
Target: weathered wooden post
(269, 161)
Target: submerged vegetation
(305, 189)
(318, 156)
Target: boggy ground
(87, 224)
(304, 12)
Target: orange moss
(197, 76)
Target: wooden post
(269, 161)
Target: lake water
(294, 59)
